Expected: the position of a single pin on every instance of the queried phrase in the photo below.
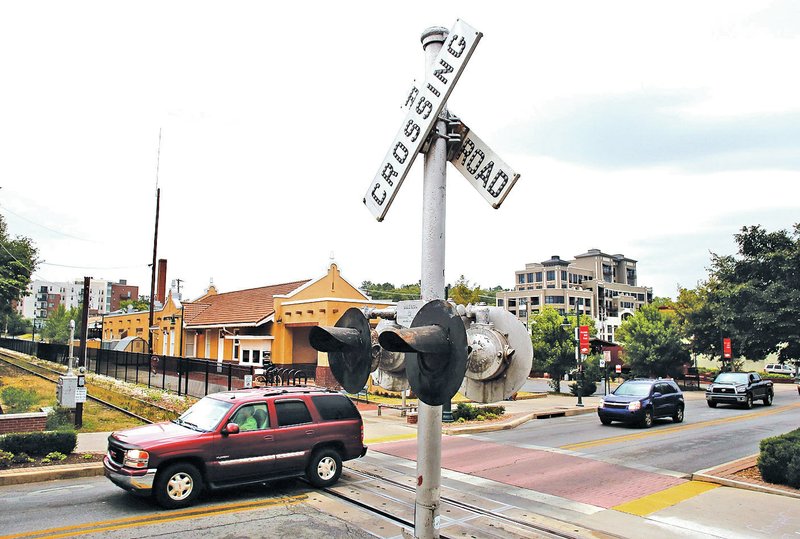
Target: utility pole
(155, 247)
(82, 350)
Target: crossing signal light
(349, 348)
(436, 351)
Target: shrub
(468, 412)
(6, 459)
(54, 456)
(18, 400)
(60, 419)
(21, 458)
(39, 443)
(779, 460)
(588, 388)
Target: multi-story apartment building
(117, 292)
(45, 296)
(594, 283)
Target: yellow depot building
(270, 323)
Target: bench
(403, 409)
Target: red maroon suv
(235, 438)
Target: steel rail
(100, 401)
(543, 531)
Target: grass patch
(96, 417)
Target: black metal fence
(184, 376)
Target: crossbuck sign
(421, 117)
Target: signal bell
(436, 345)
(349, 348)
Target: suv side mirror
(656, 394)
(230, 428)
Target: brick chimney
(161, 287)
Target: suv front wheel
(177, 485)
(324, 468)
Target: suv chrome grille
(116, 454)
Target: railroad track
(4, 358)
(476, 515)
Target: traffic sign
(80, 394)
(407, 310)
(425, 107)
(618, 368)
(484, 169)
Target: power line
(92, 267)
(45, 227)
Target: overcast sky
(655, 130)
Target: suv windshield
(731, 378)
(632, 389)
(204, 415)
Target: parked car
(642, 401)
(740, 388)
(238, 437)
(779, 368)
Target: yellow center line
(158, 518)
(681, 428)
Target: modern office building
(601, 285)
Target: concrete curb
(50, 473)
(742, 485)
(708, 475)
(456, 429)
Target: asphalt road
(93, 506)
(706, 438)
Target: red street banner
(583, 338)
(726, 348)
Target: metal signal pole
(434, 191)
(155, 246)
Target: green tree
(464, 294)
(56, 326)
(654, 344)
(553, 340)
(389, 292)
(17, 263)
(756, 293)
(141, 304)
(15, 324)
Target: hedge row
(39, 443)
(779, 460)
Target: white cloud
(275, 118)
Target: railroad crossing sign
(484, 170)
(422, 114)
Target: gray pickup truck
(740, 388)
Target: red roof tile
(238, 307)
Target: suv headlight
(136, 458)
(741, 389)
(635, 405)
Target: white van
(779, 368)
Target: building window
(535, 301)
(553, 299)
(551, 275)
(530, 277)
(500, 302)
(538, 276)
(521, 278)
(563, 275)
